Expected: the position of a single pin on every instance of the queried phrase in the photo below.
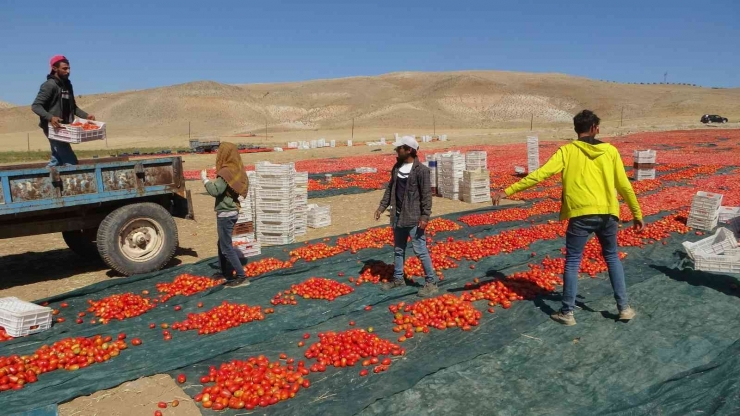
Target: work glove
(204, 176)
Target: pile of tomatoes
(85, 126)
(255, 382)
(441, 312)
(511, 214)
(121, 306)
(347, 348)
(313, 288)
(313, 252)
(266, 265)
(375, 273)
(222, 317)
(69, 354)
(186, 285)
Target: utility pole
(621, 117)
(434, 121)
(531, 122)
(353, 128)
(665, 78)
(188, 129)
(28, 142)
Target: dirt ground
(40, 266)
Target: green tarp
(676, 357)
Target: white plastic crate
(279, 182)
(717, 263)
(275, 239)
(278, 194)
(704, 225)
(314, 209)
(75, 135)
(21, 318)
(276, 216)
(643, 174)
(272, 229)
(707, 200)
(319, 224)
(718, 243)
(728, 213)
(268, 168)
(644, 156)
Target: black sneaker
(238, 282)
(392, 285)
(429, 290)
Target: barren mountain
(469, 99)
(3, 105)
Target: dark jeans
(228, 258)
(579, 230)
(61, 152)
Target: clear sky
(131, 44)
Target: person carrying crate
(55, 104)
(592, 171)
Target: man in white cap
(409, 193)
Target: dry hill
(4, 105)
(469, 99)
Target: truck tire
(137, 238)
(82, 242)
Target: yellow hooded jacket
(591, 173)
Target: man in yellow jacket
(592, 171)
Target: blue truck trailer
(121, 211)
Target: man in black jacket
(55, 105)
(409, 193)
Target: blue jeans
(228, 258)
(61, 152)
(579, 230)
(419, 244)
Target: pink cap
(56, 58)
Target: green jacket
(226, 198)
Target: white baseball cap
(409, 141)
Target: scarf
(229, 166)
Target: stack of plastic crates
(644, 164)
(450, 168)
(476, 187)
(533, 153)
(704, 213)
(300, 203)
(717, 253)
(476, 159)
(319, 216)
(275, 199)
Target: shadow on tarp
(430, 358)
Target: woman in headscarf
(230, 183)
